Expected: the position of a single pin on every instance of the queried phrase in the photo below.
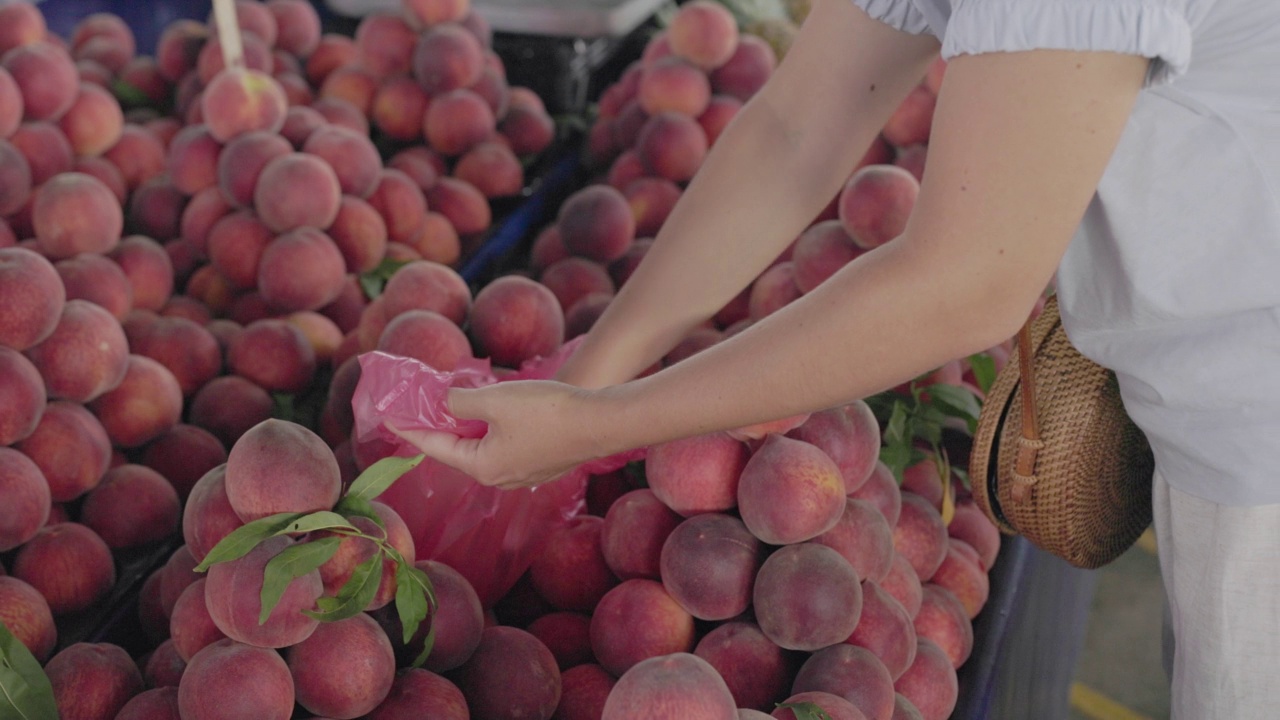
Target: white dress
(1173, 278)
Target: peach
(191, 628)
(833, 706)
(336, 571)
(415, 689)
(930, 684)
(385, 43)
(567, 635)
(774, 289)
(208, 516)
(820, 251)
(636, 620)
(625, 169)
(47, 77)
(514, 319)
(210, 62)
(427, 336)
(15, 178)
(254, 18)
(864, 538)
(920, 535)
(622, 91)
(677, 685)
(337, 111)
(400, 203)
(236, 243)
(176, 575)
(273, 354)
(352, 84)
(163, 667)
(790, 491)
(875, 203)
(697, 474)
(903, 584)
(21, 24)
(398, 107)
(570, 571)
(27, 499)
(547, 248)
(673, 84)
(671, 145)
(962, 577)
(7, 237)
(421, 163)
(69, 565)
(322, 333)
(183, 455)
(573, 278)
(584, 690)
(201, 213)
(132, 506)
(584, 313)
(344, 669)
(185, 348)
(943, 620)
(241, 162)
(146, 403)
(332, 51)
(92, 680)
(351, 155)
(511, 674)
(457, 120)
(207, 292)
(231, 679)
(635, 528)
(194, 157)
(33, 297)
(825, 614)
(103, 26)
(76, 213)
(85, 356)
(529, 130)
(229, 405)
(438, 240)
(708, 565)
(233, 598)
(854, 448)
(434, 12)
(972, 526)
(746, 71)
(704, 33)
(94, 121)
(155, 209)
(912, 120)
(147, 268)
(757, 671)
(139, 155)
(492, 87)
(492, 168)
(71, 449)
(279, 466)
(457, 621)
(651, 200)
(851, 672)
(426, 285)
(297, 190)
(47, 152)
(143, 74)
(885, 629)
(105, 171)
(300, 270)
(299, 122)
(24, 397)
(25, 613)
(596, 222)
(158, 703)
(237, 101)
(447, 57)
(297, 26)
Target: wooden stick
(224, 17)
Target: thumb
(466, 403)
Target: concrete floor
(1120, 675)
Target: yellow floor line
(1147, 541)
(1097, 706)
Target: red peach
(825, 615)
(757, 671)
(148, 269)
(132, 506)
(511, 674)
(94, 121)
(237, 101)
(746, 71)
(85, 356)
(790, 491)
(33, 297)
(447, 57)
(47, 77)
(69, 564)
(75, 213)
(25, 613)
(47, 151)
(677, 685)
(146, 403)
(27, 499)
(850, 672)
(875, 204)
(231, 679)
(70, 447)
(233, 598)
(23, 392)
(637, 620)
(415, 689)
(635, 528)
(570, 572)
(92, 680)
(885, 629)
(344, 669)
(708, 565)
(930, 683)
(704, 33)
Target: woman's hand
(538, 430)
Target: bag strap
(1029, 442)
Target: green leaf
(290, 564)
(240, 541)
(806, 711)
(373, 281)
(311, 522)
(427, 645)
(955, 401)
(354, 596)
(129, 95)
(896, 429)
(379, 476)
(350, 506)
(25, 693)
(896, 458)
(413, 598)
(282, 407)
(984, 370)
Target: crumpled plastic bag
(489, 535)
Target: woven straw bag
(1076, 479)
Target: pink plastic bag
(487, 534)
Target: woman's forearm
(772, 171)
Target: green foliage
(373, 281)
(379, 476)
(25, 693)
(290, 564)
(914, 422)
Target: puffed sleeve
(1157, 29)
(900, 14)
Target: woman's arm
(1019, 143)
(782, 158)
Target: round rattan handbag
(1075, 479)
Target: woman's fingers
(444, 446)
